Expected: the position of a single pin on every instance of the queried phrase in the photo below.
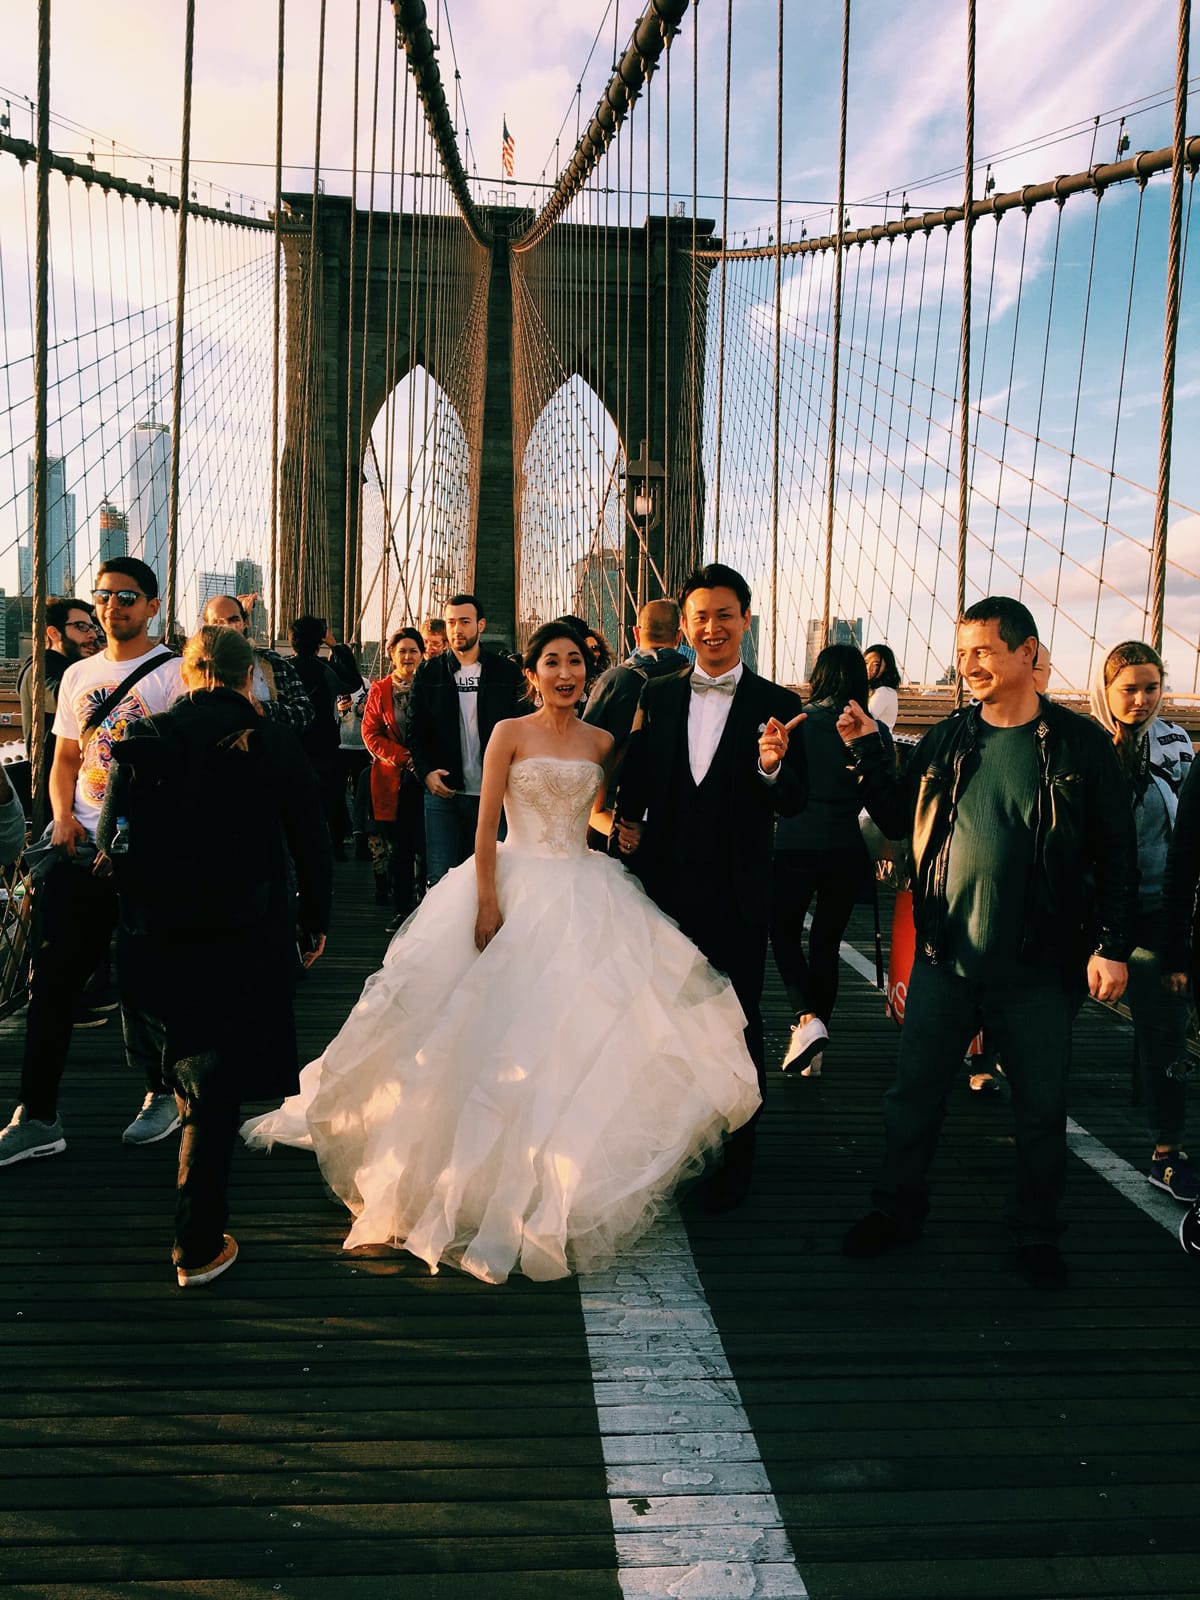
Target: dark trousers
(449, 832)
(832, 880)
(75, 913)
(1029, 1025)
(405, 837)
(210, 1122)
(1160, 1031)
(740, 952)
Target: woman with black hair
(820, 861)
(883, 676)
(543, 1055)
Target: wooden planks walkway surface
(320, 1423)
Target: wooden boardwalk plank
(928, 1426)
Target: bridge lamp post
(648, 478)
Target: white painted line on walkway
(1124, 1177)
(693, 1514)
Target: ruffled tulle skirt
(529, 1108)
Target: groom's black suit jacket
(715, 840)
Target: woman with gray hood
(1155, 757)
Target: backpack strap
(114, 697)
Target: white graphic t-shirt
(466, 681)
(84, 685)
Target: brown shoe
(189, 1277)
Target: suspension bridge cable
(1171, 330)
(276, 219)
(831, 506)
(172, 605)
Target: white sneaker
(806, 1042)
(158, 1117)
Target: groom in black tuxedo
(709, 764)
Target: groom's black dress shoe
(876, 1234)
(725, 1190)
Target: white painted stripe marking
(1124, 1177)
(693, 1514)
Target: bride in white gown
(543, 1055)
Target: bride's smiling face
(560, 674)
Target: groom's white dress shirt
(707, 716)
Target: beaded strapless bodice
(547, 803)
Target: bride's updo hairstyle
(556, 628)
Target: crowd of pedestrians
(1052, 855)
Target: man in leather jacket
(1024, 873)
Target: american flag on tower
(507, 151)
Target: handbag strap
(114, 697)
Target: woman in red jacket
(397, 798)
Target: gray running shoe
(158, 1117)
(25, 1138)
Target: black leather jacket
(1081, 896)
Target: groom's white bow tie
(725, 685)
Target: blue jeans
(1160, 1030)
(1029, 1025)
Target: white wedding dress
(529, 1108)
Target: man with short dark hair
(455, 702)
(710, 763)
(72, 634)
(1013, 805)
(75, 910)
(276, 687)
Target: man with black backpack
(75, 908)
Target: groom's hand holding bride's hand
(488, 923)
(773, 741)
(629, 836)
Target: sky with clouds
(1044, 72)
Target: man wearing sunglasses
(98, 698)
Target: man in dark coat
(709, 765)
(210, 793)
(456, 701)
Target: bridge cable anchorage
(652, 34)
(412, 31)
(1171, 333)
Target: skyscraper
(209, 584)
(841, 631)
(114, 532)
(60, 532)
(148, 493)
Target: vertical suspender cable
(273, 614)
(775, 396)
(353, 489)
(170, 626)
(724, 268)
(300, 580)
(41, 337)
(835, 352)
(964, 398)
(1158, 560)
